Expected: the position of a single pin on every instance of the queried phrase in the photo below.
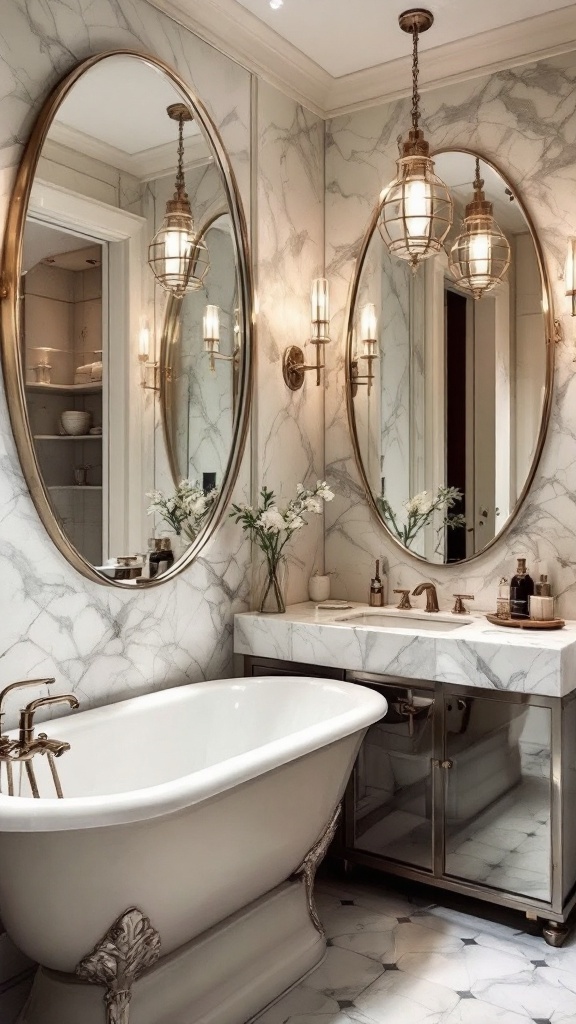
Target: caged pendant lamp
(178, 259)
(480, 255)
(416, 208)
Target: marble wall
(525, 120)
(289, 438)
(106, 644)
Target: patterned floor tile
(397, 998)
(343, 974)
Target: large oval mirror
(126, 328)
(449, 395)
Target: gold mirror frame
(10, 316)
(551, 332)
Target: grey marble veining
(475, 654)
(524, 119)
(103, 643)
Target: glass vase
(273, 587)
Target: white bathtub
(195, 805)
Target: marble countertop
(476, 654)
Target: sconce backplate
(293, 367)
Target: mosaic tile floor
(395, 960)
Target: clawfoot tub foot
(130, 947)
(309, 866)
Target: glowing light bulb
(276, 4)
(418, 208)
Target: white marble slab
(476, 654)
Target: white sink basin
(432, 622)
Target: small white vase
(319, 588)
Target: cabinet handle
(436, 763)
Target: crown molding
(240, 35)
(148, 165)
(545, 35)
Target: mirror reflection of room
(129, 241)
(448, 412)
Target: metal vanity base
(467, 789)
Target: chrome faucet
(26, 746)
(431, 596)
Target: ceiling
(344, 37)
(141, 139)
(338, 55)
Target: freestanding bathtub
(167, 880)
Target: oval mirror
(448, 395)
(126, 327)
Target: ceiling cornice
(249, 41)
(146, 166)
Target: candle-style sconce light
(369, 342)
(293, 365)
(150, 377)
(570, 274)
(211, 334)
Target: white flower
(299, 488)
(271, 520)
(313, 505)
(419, 505)
(295, 523)
(323, 491)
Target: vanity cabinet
(468, 789)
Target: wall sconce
(293, 365)
(570, 273)
(150, 378)
(178, 259)
(211, 332)
(369, 342)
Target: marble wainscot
(436, 648)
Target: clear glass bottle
(503, 599)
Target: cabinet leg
(554, 933)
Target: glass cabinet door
(497, 795)
(392, 780)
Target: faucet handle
(405, 599)
(459, 608)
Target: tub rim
(25, 814)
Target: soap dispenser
(376, 589)
(521, 590)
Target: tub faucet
(26, 746)
(15, 686)
(26, 740)
(431, 596)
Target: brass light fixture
(570, 274)
(293, 365)
(211, 333)
(178, 259)
(369, 342)
(480, 255)
(150, 377)
(416, 210)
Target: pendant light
(480, 255)
(178, 259)
(416, 212)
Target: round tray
(527, 623)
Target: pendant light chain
(415, 73)
(180, 182)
